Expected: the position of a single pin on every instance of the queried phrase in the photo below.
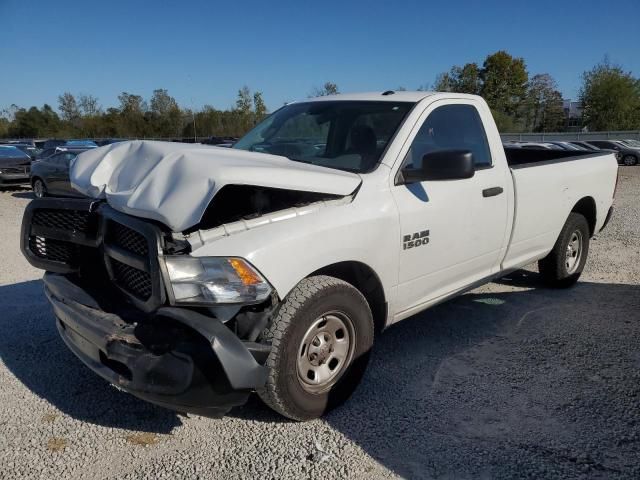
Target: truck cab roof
(388, 96)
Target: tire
(297, 324)
(39, 188)
(629, 160)
(558, 270)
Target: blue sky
(204, 51)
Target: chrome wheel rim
(325, 352)
(629, 160)
(574, 252)
(38, 189)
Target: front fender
(365, 230)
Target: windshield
(346, 135)
(12, 152)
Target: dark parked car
(584, 145)
(53, 143)
(628, 156)
(50, 176)
(567, 145)
(631, 143)
(14, 166)
(27, 148)
(47, 152)
(220, 141)
(81, 143)
(109, 141)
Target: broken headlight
(214, 280)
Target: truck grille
(69, 220)
(23, 170)
(54, 250)
(135, 281)
(68, 235)
(128, 239)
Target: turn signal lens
(244, 271)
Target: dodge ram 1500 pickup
(193, 275)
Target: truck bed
(544, 196)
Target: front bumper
(7, 179)
(175, 358)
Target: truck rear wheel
(321, 337)
(564, 264)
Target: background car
(220, 141)
(533, 145)
(631, 143)
(50, 176)
(53, 143)
(14, 166)
(81, 143)
(628, 156)
(568, 145)
(584, 145)
(109, 141)
(28, 148)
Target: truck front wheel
(564, 264)
(321, 337)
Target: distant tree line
(81, 116)
(610, 99)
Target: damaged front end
(108, 283)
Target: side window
(451, 127)
(55, 159)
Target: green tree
(244, 103)
(465, 79)
(132, 115)
(34, 122)
(610, 98)
(543, 111)
(68, 106)
(504, 82)
(259, 107)
(443, 83)
(166, 115)
(88, 105)
(329, 88)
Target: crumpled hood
(175, 182)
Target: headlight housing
(214, 280)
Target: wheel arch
(586, 206)
(367, 281)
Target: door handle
(492, 192)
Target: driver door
(453, 231)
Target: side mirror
(442, 165)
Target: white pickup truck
(194, 275)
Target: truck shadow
(494, 379)
(489, 380)
(32, 350)
(491, 376)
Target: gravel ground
(510, 380)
